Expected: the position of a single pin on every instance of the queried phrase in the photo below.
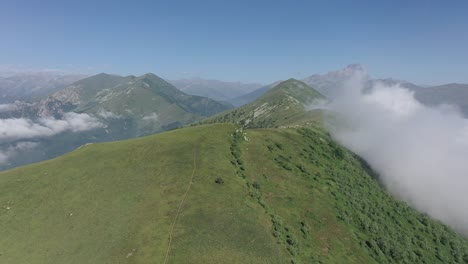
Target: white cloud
(421, 153)
(9, 151)
(7, 107)
(21, 128)
(151, 117)
(108, 115)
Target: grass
(288, 195)
(335, 209)
(284, 105)
(105, 202)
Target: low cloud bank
(7, 107)
(13, 129)
(151, 117)
(9, 151)
(108, 115)
(421, 153)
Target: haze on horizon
(422, 41)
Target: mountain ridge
(280, 105)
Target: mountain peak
(291, 80)
(329, 84)
(153, 77)
(295, 88)
(291, 84)
(103, 75)
(347, 71)
(149, 74)
(354, 67)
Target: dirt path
(179, 209)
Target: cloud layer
(13, 129)
(16, 133)
(7, 152)
(421, 153)
(7, 107)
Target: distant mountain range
(44, 115)
(214, 89)
(28, 86)
(329, 85)
(454, 94)
(95, 109)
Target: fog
(151, 117)
(16, 133)
(7, 107)
(420, 153)
(13, 149)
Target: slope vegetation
(117, 203)
(217, 193)
(213, 194)
(285, 104)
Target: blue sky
(252, 41)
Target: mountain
(137, 97)
(284, 104)
(327, 84)
(330, 83)
(214, 89)
(252, 96)
(454, 94)
(30, 86)
(98, 108)
(214, 194)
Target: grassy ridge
(116, 202)
(285, 196)
(283, 105)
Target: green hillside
(284, 196)
(283, 105)
(87, 88)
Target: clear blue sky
(256, 41)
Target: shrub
(256, 185)
(219, 180)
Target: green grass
(286, 196)
(336, 211)
(284, 105)
(97, 204)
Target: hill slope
(284, 104)
(288, 196)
